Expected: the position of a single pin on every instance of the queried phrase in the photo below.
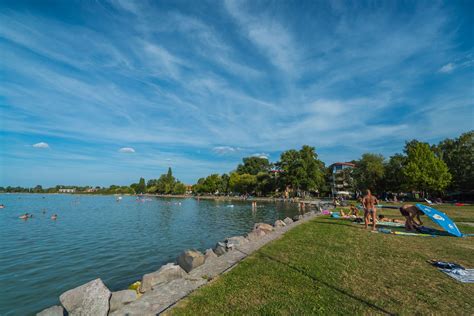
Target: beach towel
(413, 234)
(462, 275)
(454, 270)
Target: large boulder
(121, 298)
(220, 248)
(166, 273)
(190, 259)
(279, 223)
(52, 311)
(209, 254)
(236, 241)
(265, 227)
(288, 221)
(91, 298)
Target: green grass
(329, 266)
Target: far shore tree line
(432, 170)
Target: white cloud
(448, 68)
(41, 145)
(261, 155)
(224, 150)
(127, 150)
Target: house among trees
(341, 179)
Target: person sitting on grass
(410, 212)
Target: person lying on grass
(382, 218)
(410, 212)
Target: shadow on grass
(333, 287)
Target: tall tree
(423, 170)
(301, 170)
(369, 172)
(394, 178)
(141, 187)
(254, 165)
(458, 154)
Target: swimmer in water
(25, 216)
(54, 217)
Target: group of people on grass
(410, 212)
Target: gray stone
(220, 248)
(160, 298)
(52, 311)
(121, 298)
(91, 298)
(166, 273)
(279, 223)
(235, 241)
(265, 227)
(255, 235)
(288, 221)
(297, 218)
(209, 254)
(190, 259)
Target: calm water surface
(96, 236)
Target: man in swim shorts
(369, 202)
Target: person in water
(25, 216)
(410, 212)
(369, 202)
(54, 217)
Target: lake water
(96, 236)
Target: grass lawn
(330, 266)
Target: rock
(52, 311)
(190, 259)
(209, 254)
(288, 221)
(254, 235)
(297, 218)
(91, 298)
(235, 241)
(121, 298)
(265, 227)
(279, 223)
(166, 273)
(220, 248)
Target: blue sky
(103, 92)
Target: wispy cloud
(224, 150)
(127, 150)
(41, 145)
(449, 67)
(209, 83)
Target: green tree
(254, 165)
(242, 183)
(179, 188)
(423, 170)
(141, 187)
(458, 154)
(301, 170)
(369, 172)
(394, 178)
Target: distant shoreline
(186, 196)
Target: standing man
(369, 202)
